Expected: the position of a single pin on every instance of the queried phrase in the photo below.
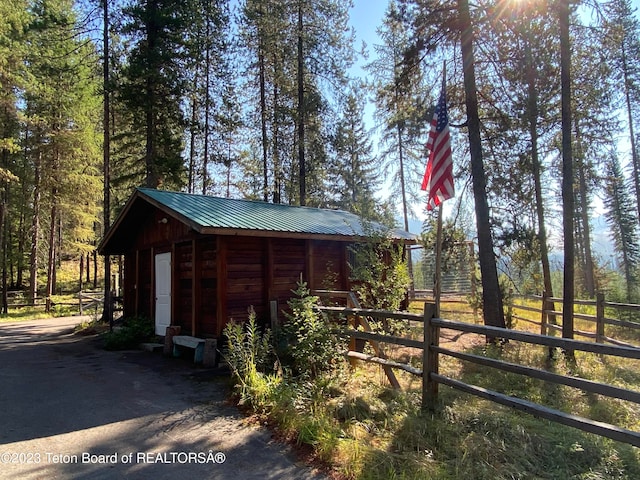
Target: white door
(163, 292)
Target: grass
(361, 429)
(63, 306)
(365, 430)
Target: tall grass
(360, 428)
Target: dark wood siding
(287, 265)
(129, 285)
(183, 276)
(328, 271)
(245, 277)
(216, 278)
(145, 283)
(206, 310)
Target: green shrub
(134, 331)
(311, 345)
(253, 362)
(379, 273)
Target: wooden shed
(198, 261)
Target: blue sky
(366, 16)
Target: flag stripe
(438, 177)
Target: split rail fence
(431, 351)
(600, 319)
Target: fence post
(355, 345)
(600, 317)
(544, 316)
(429, 358)
(80, 302)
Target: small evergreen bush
(134, 331)
(311, 345)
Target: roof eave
(104, 243)
(103, 247)
(294, 235)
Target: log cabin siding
(218, 273)
(245, 277)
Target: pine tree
(400, 106)
(13, 18)
(62, 110)
(622, 43)
(299, 53)
(354, 171)
(270, 78)
(623, 224)
(152, 86)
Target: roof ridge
(248, 200)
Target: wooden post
(600, 317)
(354, 322)
(474, 286)
(222, 273)
(273, 314)
(196, 269)
(544, 316)
(429, 357)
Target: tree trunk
(635, 162)
(35, 232)
(107, 313)
(192, 142)
(152, 178)
(301, 110)
(95, 269)
(22, 240)
(207, 108)
(263, 117)
(491, 296)
(4, 303)
(4, 201)
(275, 144)
(589, 280)
(532, 102)
(583, 219)
(567, 172)
(51, 259)
(81, 276)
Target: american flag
(438, 178)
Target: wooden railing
(88, 300)
(599, 318)
(432, 351)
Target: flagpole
(437, 284)
(438, 178)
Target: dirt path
(72, 410)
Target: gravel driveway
(72, 410)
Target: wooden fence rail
(431, 352)
(88, 300)
(599, 318)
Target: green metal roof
(209, 212)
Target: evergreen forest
(277, 101)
